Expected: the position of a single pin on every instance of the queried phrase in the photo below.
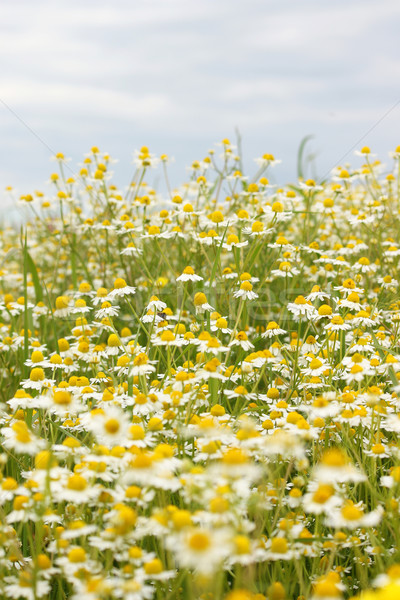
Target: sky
(181, 75)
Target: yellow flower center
(334, 458)
(77, 483)
(77, 555)
(257, 227)
(37, 374)
(279, 545)
(62, 398)
(37, 356)
(119, 283)
(323, 493)
(199, 541)
(62, 302)
(167, 336)
(154, 567)
(232, 239)
(351, 513)
(200, 299)
(112, 426)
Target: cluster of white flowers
(200, 391)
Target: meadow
(200, 389)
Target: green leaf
(300, 156)
(31, 267)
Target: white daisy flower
(121, 288)
(189, 275)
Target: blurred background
(180, 75)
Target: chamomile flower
(241, 339)
(257, 229)
(121, 289)
(131, 250)
(37, 360)
(328, 587)
(317, 294)
(107, 310)
(110, 427)
(167, 338)
(272, 330)
(201, 304)
(202, 549)
(337, 323)
(19, 438)
(335, 466)
(155, 304)
(245, 291)
(267, 160)
(285, 269)
(321, 498)
(144, 159)
(232, 241)
(316, 367)
(62, 402)
(221, 324)
(277, 548)
(25, 587)
(352, 516)
(189, 275)
(37, 380)
(141, 365)
(240, 392)
(63, 305)
(301, 308)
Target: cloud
(181, 74)
(83, 100)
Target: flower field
(200, 388)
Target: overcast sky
(179, 75)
